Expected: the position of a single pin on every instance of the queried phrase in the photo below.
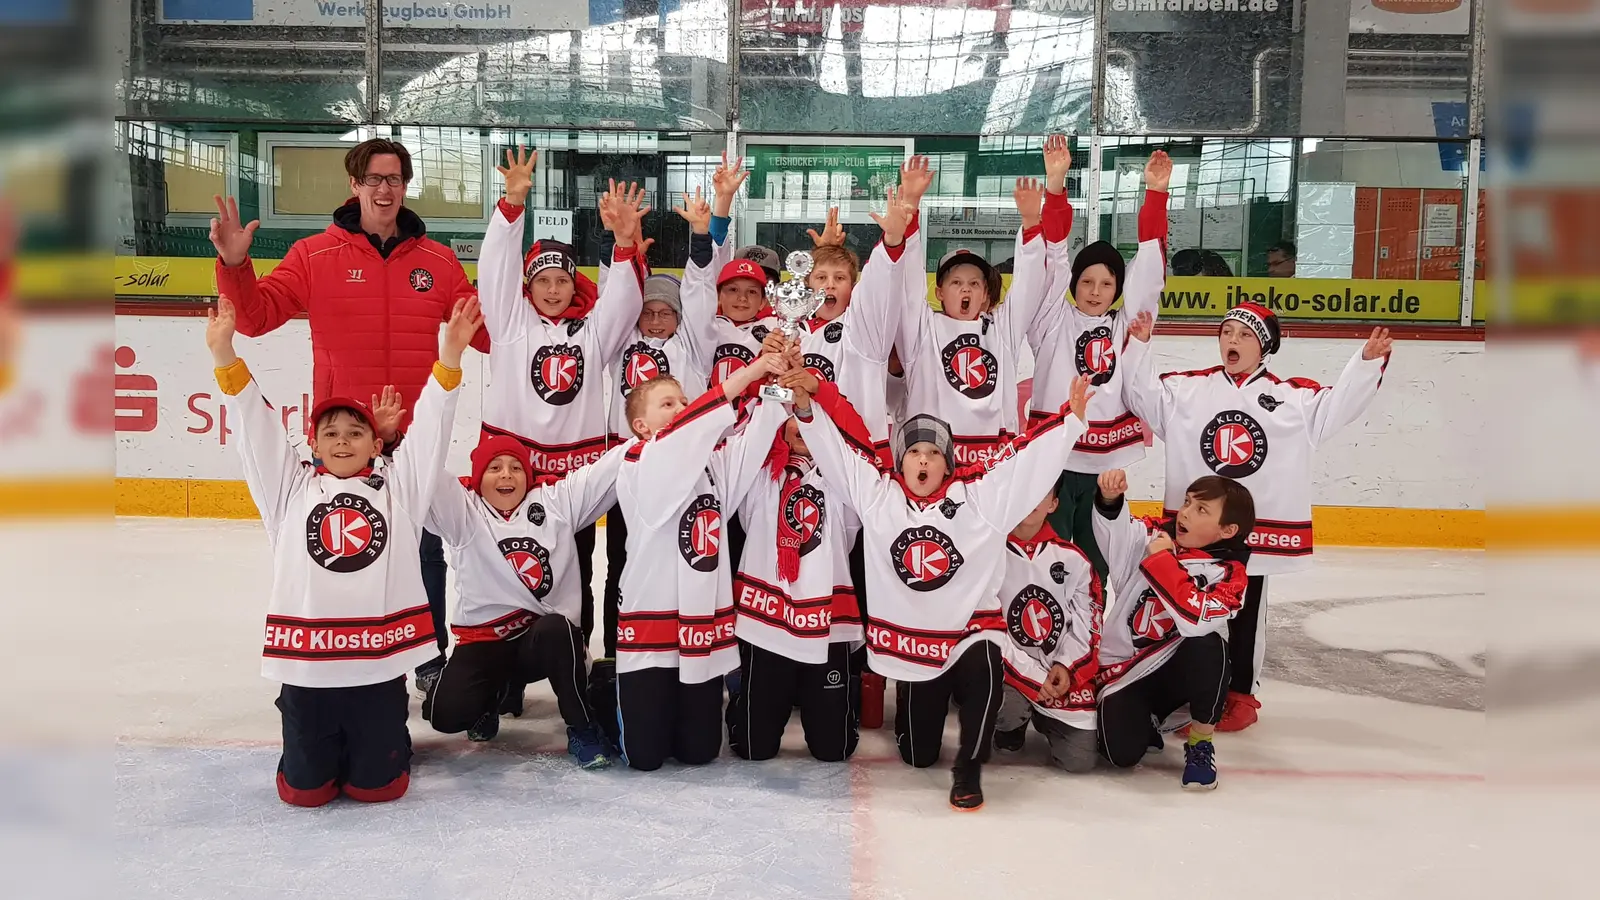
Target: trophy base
(780, 394)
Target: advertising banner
(542, 15)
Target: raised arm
(1330, 409)
(506, 312)
(739, 459)
(670, 462)
(877, 318)
(1145, 395)
(698, 290)
(450, 513)
(916, 316)
(1004, 495)
(1120, 537)
(1057, 222)
(272, 469)
(591, 490)
(843, 457)
(1028, 276)
(616, 313)
(260, 304)
(418, 462)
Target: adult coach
(374, 288)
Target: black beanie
(1102, 253)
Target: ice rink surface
(1364, 777)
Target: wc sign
(549, 15)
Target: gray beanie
(665, 288)
(924, 429)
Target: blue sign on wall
(208, 10)
(1450, 121)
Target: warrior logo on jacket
(1096, 355)
(700, 533)
(1233, 445)
(558, 373)
(820, 366)
(1034, 619)
(640, 363)
(970, 368)
(925, 558)
(531, 562)
(804, 514)
(729, 359)
(346, 534)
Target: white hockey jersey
(546, 379)
(1067, 343)
(1053, 604)
(852, 350)
(1159, 600)
(934, 566)
(683, 356)
(732, 346)
(966, 372)
(797, 620)
(510, 570)
(675, 490)
(347, 606)
(1259, 431)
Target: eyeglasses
(651, 315)
(391, 180)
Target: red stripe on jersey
(1104, 437)
(508, 626)
(926, 648)
(1281, 538)
(331, 639)
(701, 635)
(553, 458)
(812, 617)
(647, 632)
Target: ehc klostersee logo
(728, 359)
(346, 534)
(1034, 619)
(1096, 355)
(969, 367)
(1233, 444)
(558, 373)
(819, 365)
(700, 533)
(640, 363)
(804, 513)
(925, 558)
(421, 280)
(530, 561)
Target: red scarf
(789, 540)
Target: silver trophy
(793, 302)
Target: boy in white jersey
(935, 537)
(961, 363)
(1241, 421)
(348, 616)
(799, 620)
(553, 337)
(1177, 581)
(1053, 606)
(1078, 333)
(518, 618)
(675, 632)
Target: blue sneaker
(1200, 767)
(589, 747)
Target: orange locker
(1399, 232)
(1366, 250)
(1443, 219)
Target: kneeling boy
(348, 616)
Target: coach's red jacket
(374, 312)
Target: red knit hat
(1262, 322)
(499, 445)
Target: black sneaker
(425, 681)
(966, 789)
(1011, 741)
(511, 699)
(487, 726)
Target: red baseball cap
(331, 403)
(742, 268)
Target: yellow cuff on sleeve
(233, 379)
(5, 378)
(448, 378)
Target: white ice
(1341, 790)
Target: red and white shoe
(1238, 712)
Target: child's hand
(518, 173)
(1057, 683)
(896, 219)
(1112, 484)
(628, 208)
(725, 183)
(775, 342)
(607, 220)
(465, 320)
(832, 234)
(800, 378)
(1057, 160)
(386, 414)
(1378, 345)
(696, 211)
(1078, 398)
(221, 323)
(1139, 329)
(915, 178)
(792, 355)
(1029, 195)
(1158, 172)
(1159, 543)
